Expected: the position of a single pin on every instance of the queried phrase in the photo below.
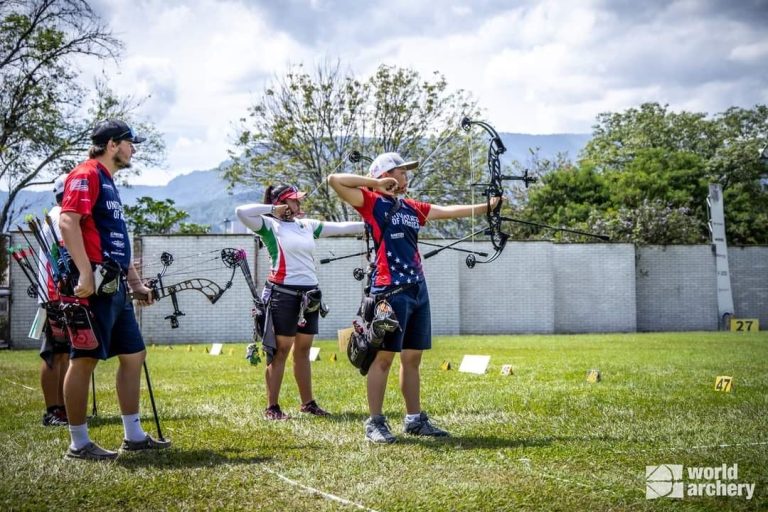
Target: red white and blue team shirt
(90, 192)
(397, 260)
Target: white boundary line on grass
(527, 465)
(22, 385)
(687, 448)
(329, 496)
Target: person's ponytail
(268, 194)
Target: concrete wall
(594, 288)
(533, 287)
(749, 282)
(676, 288)
(515, 293)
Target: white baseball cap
(58, 185)
(385, 162)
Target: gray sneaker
(377, 430)
(148, 443)
(91, 451)
(423, 427)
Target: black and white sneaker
(423, 427)
(377, 430)
(91, 451)
(148, 443)
(55, 418)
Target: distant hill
(519, 145)
(204, 195)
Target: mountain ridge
(217, 207)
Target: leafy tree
(644, 177)
(567, 195)
(650, 222)
(151, 217)
(304, 126)
(46, 112)
(190, 228)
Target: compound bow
(494, 188)
(231, 258)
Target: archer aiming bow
(360, 273)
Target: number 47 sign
(724, 383)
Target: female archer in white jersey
(292, 286)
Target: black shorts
(284, 308)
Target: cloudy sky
(535, 66)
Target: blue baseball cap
(112, 129)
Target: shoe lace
(383, 428)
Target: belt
(393, 291)
(288, 291)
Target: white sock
(132, 428)
(79, 435)
(412, 417)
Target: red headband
(289, 193)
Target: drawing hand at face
(279, 211)
(389, 186)
(288, 210)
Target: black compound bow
(231, 258)
(494, 188)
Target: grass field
(541, 439)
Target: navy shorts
(284, 308)
(411, 307)
(115, 326)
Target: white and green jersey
(291, 245)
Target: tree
(46, 112)
(151, 217)
(644, 177)
(304, 126)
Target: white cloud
(755, 53)
(536, 67)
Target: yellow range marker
(594, 376)
(724, 383)
(745, 324)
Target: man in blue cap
(95, 234)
